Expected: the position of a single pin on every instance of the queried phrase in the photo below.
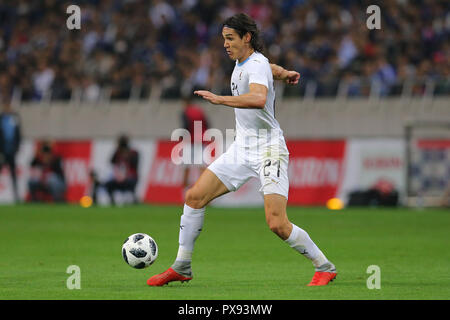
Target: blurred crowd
(47, 180)
(135, 48)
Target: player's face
(233, 43)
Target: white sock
(191, 223)
(300, 241)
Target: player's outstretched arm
(254, 99)
(279, 73)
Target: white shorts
(236, 166)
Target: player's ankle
(182, 267)
(326, 267)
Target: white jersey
(255, 128)
(259, 150)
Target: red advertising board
(315, 170)
(165, 179)
(433, 144)
(76, 157)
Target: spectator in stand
(125, 161)
(10, 138)
(42, 79)
(47, 182)
(192, 114)
(334, 34)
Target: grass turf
(236, 256)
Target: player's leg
(205, 189)
(297, 238)
(278, 222)
(276, 216)
(275, 186)
(227, 173)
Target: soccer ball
(139, 250)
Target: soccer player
(254, 153)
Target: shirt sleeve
(256, 73)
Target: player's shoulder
(258, 58)
(257, 63)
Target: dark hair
(123, 141)
(46, 147)
(242, 23)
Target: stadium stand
(113, 59)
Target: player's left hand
(292, 77)
(211, 97)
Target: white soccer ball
(139, 250)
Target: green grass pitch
(236, 257)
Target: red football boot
(322, 278)
(167, 276)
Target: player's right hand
(211, 97)
(292, 77)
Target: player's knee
(194, 199)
